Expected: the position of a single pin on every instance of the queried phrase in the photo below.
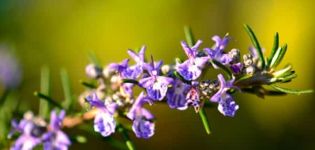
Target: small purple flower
(191, 69)
(10, 71)
(104, 121)
(31, 133)
(155, 85)
(224, 87)
(125, 71)
(176, 96)
(237, 67)
(193, 96)
(55, 139)
(138, 58)
(226, 104)
(143, 125)
(217, 52)
(143, 128)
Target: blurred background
(61, 33)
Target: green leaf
(261, 91)
(45, 89)
(244, 77)
(281, 55)
(87, 84)
(292, 91)
(130, 81)
(275, 57)
(283, 71)
(256, 44)
(274, 48)
(204, 119)
(189, 36)
(46, 98)
(288, 77)
(68, 99)
(226, 70)
(278, 56)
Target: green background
(61, 33)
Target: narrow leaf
(244, 77)
(274, 48)
(275, 57)
(189, 36)
(204, 119)
(283, 71)
(68, 99)
(88, 85)
(46, 98)
(287, 78)
(256, 44)
(45, 89)
(130, 81)
(292, 91)
(281, 55)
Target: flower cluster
(180, 84)
(118, 101)
(35, 130)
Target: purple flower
(55, 139)
(155, 85)
(193, 96)
(217, 52)
(138, 58)
(176, 96)
(104, 121)
(10, 73)
(35, 131)
(143, 125)
(237, 67)
(31, 133)
(125, 71)
(143, 128)
(226, 104)
(191, 69)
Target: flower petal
(143, 128)
(104, 123)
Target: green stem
(204, 119)
(125, 135)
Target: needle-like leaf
(291, 91)
(256, 44)
(45, 89)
